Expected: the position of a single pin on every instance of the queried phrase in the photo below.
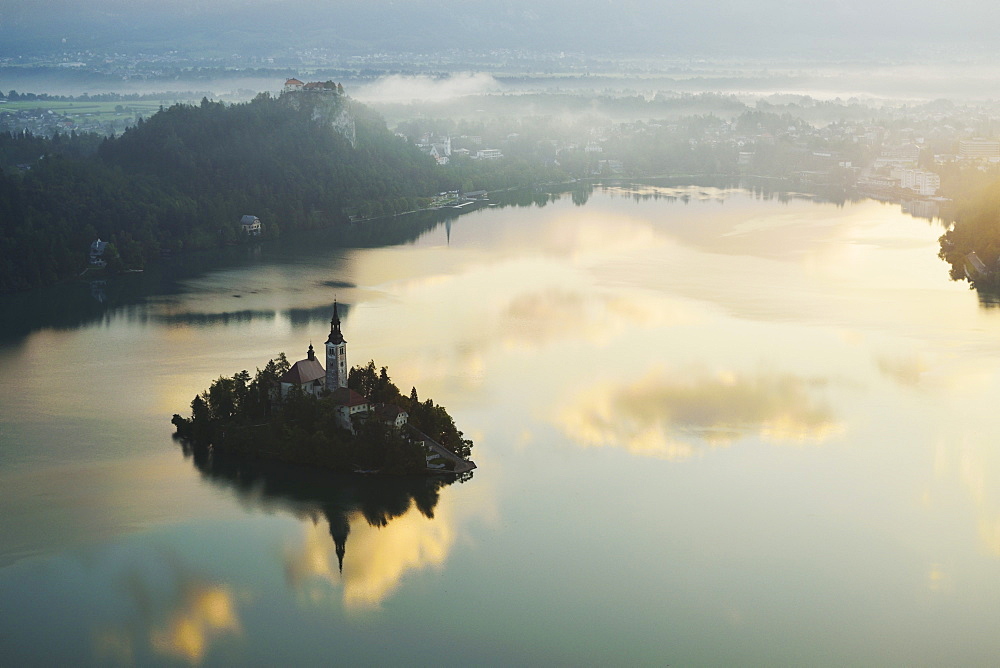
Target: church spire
(336, 355)
(335, 335)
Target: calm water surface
(711, 429)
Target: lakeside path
(461, 465)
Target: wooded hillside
(182, 180)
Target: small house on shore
(97, 253)
(251, 225)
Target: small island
(347, 421)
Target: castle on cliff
(327, 103)
(294, 86)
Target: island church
(309, 377)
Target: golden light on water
(586, 355)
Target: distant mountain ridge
(772, 28)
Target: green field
(94, 111)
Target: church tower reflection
(339, 528)
(310, 492)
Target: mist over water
(872, 83)
(402, 89)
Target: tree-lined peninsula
(972, 245)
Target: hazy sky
(721, 27)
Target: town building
(906, 152)
(978, 149)
(489, 154)
(920, 181)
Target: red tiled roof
(302, 372)
(344, 396)
(389, 411)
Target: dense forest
(242, 415)
(182, 180)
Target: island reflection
(346, 502)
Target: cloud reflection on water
(551, 315)
(206, 611)
(377, 559)
(904, 370)
(669, 416)
(180, 622)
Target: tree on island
(430, 418)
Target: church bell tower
(336, 355)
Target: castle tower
(336, 355)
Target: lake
(712, 427)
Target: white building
(97, 253)
(979, 148)
(489, 154)
(391, 414)
(920, 181)
(251, 225)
